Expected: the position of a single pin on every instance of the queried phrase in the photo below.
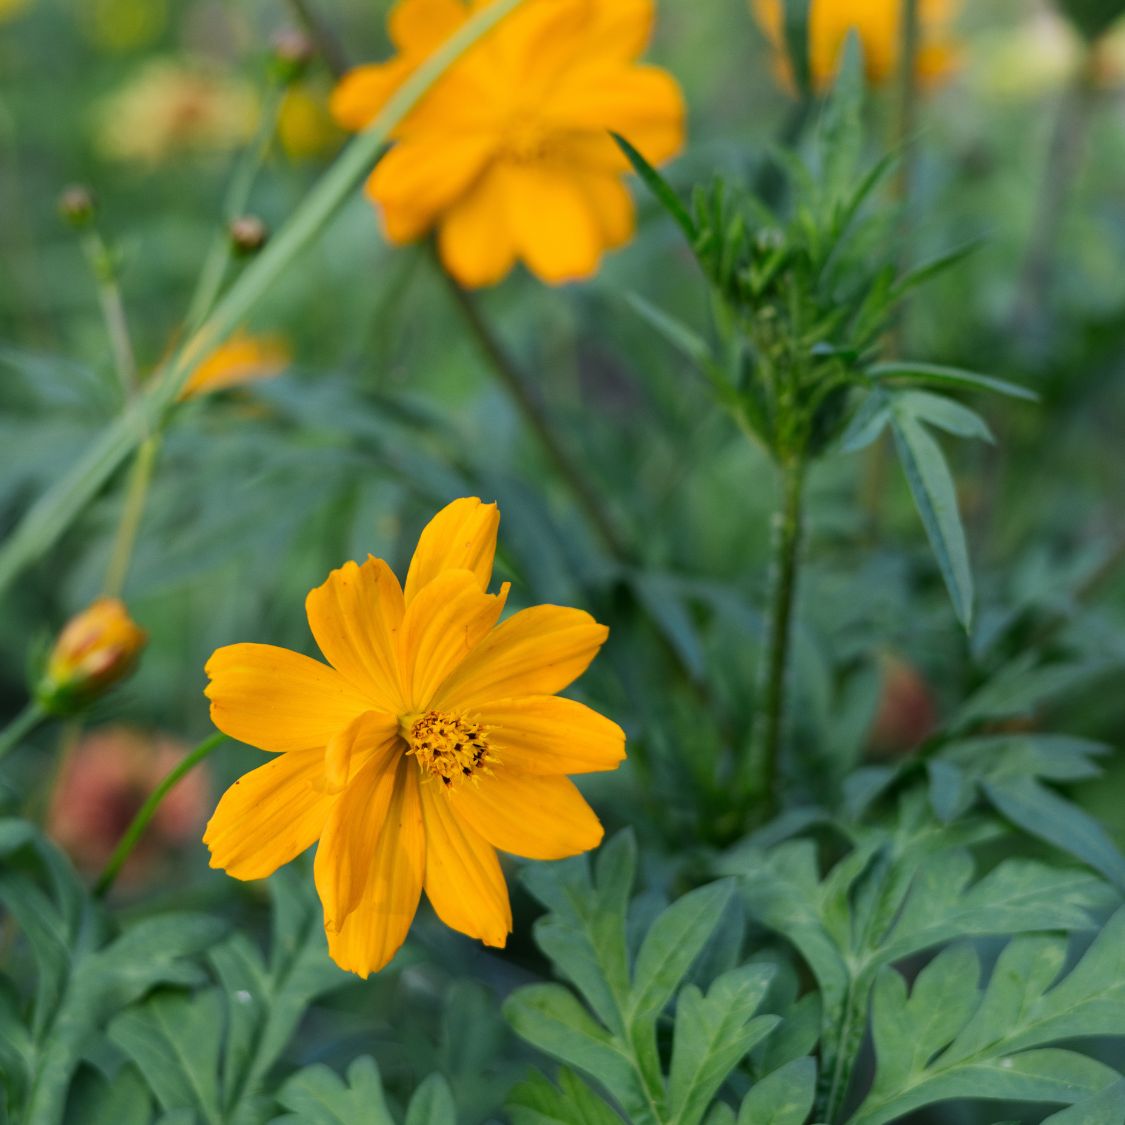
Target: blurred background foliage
(388, 409)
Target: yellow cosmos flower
(432, 738)
(878, 23)
(509, 156)
(242, 359)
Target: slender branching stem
(770, 725)
(320, 32)
(104, 268)
(140, 478)
(148, 810)
(20, 727)
(533, 412)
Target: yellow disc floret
(449, 747)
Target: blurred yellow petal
(363, 91)
(356, 617)
(242, 359)
(270, 815)
(420, 26)
(543, 734)
(464, 882)
(370, 865)
(538, 651)
(538, 817)
(475, 240)
(278, 700)
(462, 536)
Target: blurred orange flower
(509, 155)
(878, 23)
(101, 787)
(242, 359)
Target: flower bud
(95, 650)
(77, 206)
(291, 51)
(248, 234)
(907, 712)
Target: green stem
(20, 727)
(102, 266)
(131, 514)
(148, 810)
(327, 42)
(50, 516)
(234, 204)
(769, 733)
(535, 415)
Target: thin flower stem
(327, 42)
(215, 266)
(100, 259)
(53, 513)
(770, 725)
(531, 409)
(20, 727)
(131, 514)
(148, 810)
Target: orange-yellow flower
(242, 359)
(878, 23)
(97, 648)
(509, 156)
(431, 738)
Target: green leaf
(867, 424)
(662, 190)
(797, 42)
(713, 1034)
(98, 1100)
(784, 1097)
(318, 1096)
(684, 339)
(937, 375)
(941, 412)
(936, 499)
(537, 1101)
(432, 1103)
(1105, 1108)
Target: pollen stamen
(449, 748)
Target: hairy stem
(769, 733)
(20, 727)
(533, 413)
(148, 810)
(131, 514)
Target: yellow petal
(242, 359)
(538, 651)
(278, 700)
(418, 179)
(362, 92)
(370, 865)
(270, 815)
(372, 734)
(464, 882)
(419, 26)
(543, 734)
(554, 226)
(540, 817)
(443, 624)
(462, 536)
(474, 238)
(621, 29)
(356, 617)
(612, 206)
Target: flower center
(448, 747)
(525, 139)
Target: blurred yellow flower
(509, 156)
(432, 738)
(242, 359)
(305, 126)
(9, 9)
(878, 23)
(171, 107)
(97, 648)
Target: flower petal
(363, 91)
(369, 866)
(419, 26)
(270, 815)
(464, 882)
(462, 536)
(538, 651)
(355, 617)
(349, 749)
(534, 816)
(443, 624)
(543, 734)
(474, 239)
(278, 700)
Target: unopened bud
(97, 648)
(248, 234)
(291, 51)
(77, 205)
